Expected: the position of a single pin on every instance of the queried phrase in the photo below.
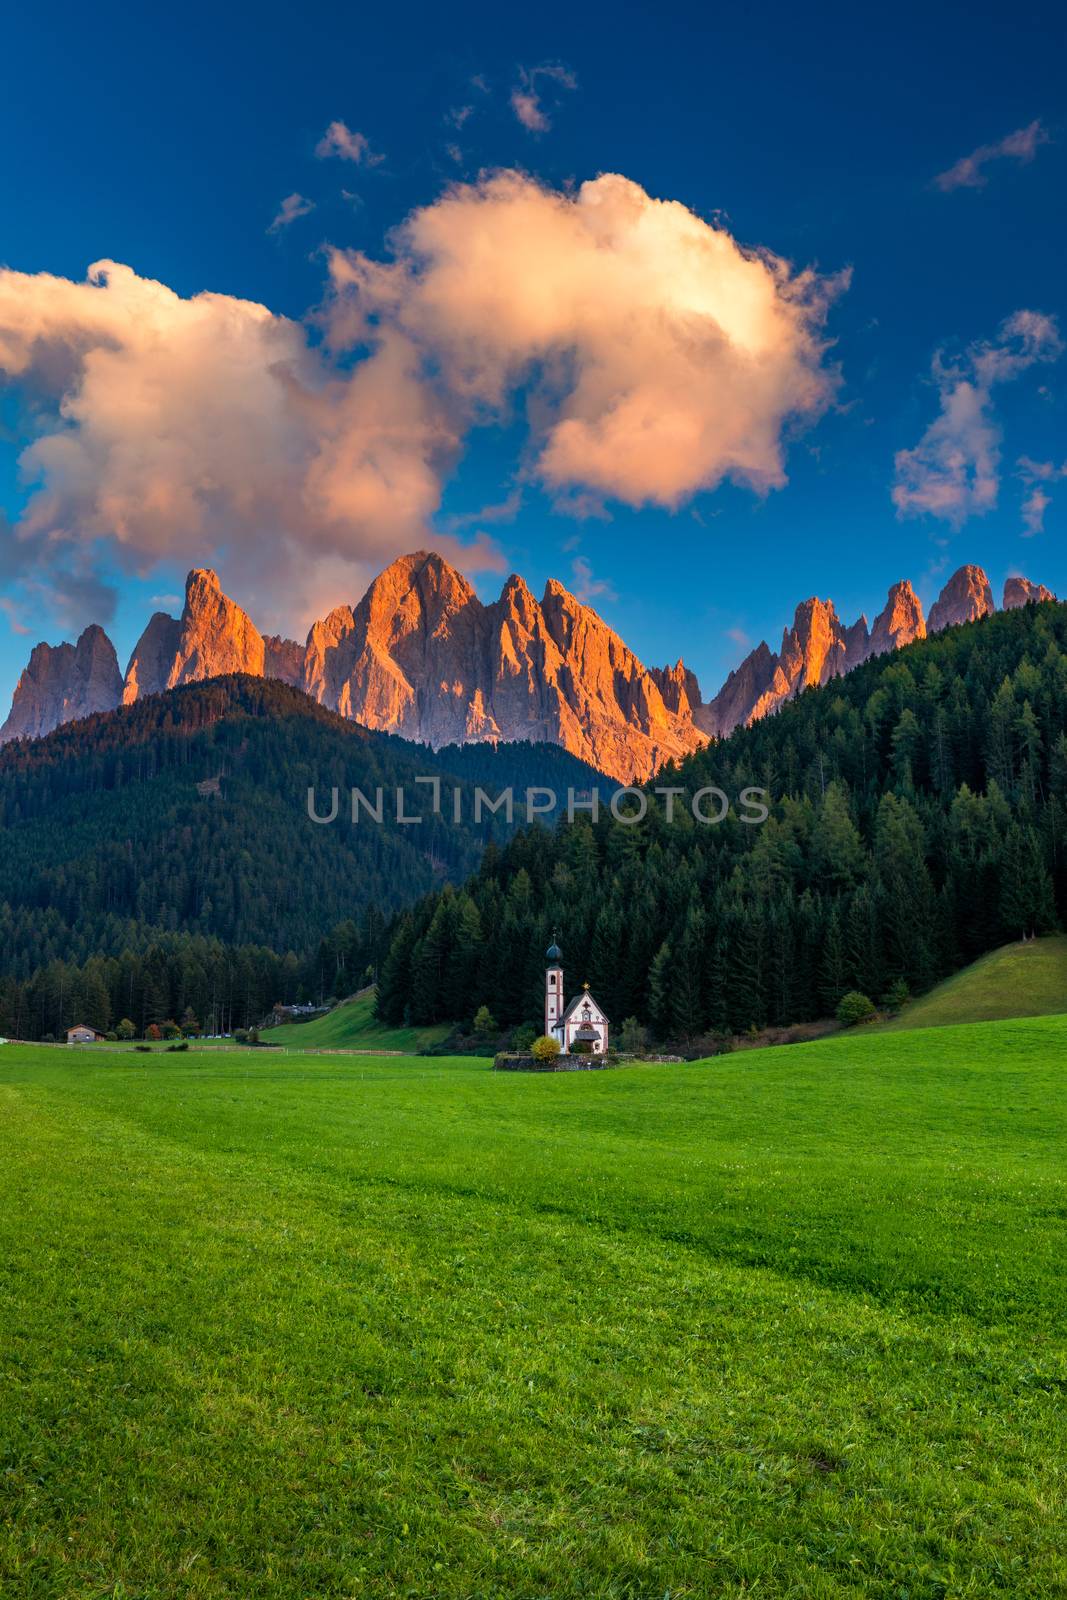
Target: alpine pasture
(787, 1322)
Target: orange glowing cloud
(182, 428)
(654, 355)
(662, 357)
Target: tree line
(186, 814)
(918, 817)
(200, 985)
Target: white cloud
(526, 101)
(1035, 504)
(969, 171)
(1036, 499)
(10, 610)
(653, 356)
(586, 587)
(208, 430)
(657, 355)
(340, 141)
(292, 207)
(953, 472)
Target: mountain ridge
(421, 656)
(187, 812)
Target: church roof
(578, 1000)
(553, 953)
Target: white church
(582, 1021)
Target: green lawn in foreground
(785, 1323)
(1019, 980)
(353, 1026)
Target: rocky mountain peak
(421, 655)
(965, 597)
(217, 636)
(857, 643)
(900, 622)
(516, 597)
(154, 654)
(214, 636)
(678, 687)
(813, 650)
(1021, 592)
(201, 578)
(415, 594)
(63, 682)
(284, 659)
(744, 689)
(425, 658)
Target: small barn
(82, 1034)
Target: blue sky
(168, 141)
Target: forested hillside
(163, 853)
(918, 818)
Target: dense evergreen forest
(163, 854)
(192, 981)
(918, 817)
(187, 812)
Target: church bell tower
(553, 989)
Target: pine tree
(833, 975)
(1026, 906)
(838, 854)
(394, 984)
(659, 992)
(686, 1001)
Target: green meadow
(353, 1026)
(788, 1322)
(1018, 980)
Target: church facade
(581, 1021)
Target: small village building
(581, 1021)
(81, 1034)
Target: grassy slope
(353, 1026)
(1019, 980)
(784, 1323)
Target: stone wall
(561, 1063)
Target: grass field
(353, 1026)
(1019, 980)
(785, 1323)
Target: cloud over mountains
(654, 357)
(657, 355)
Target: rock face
(815, 649)
(900, 623)
(214, 636)
(678, 686)
(422, 656)
(153, 656)
(857, 643)
(965, 597)
(284, 659)
(1021, 592)
(745, 688)
(63, 682)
